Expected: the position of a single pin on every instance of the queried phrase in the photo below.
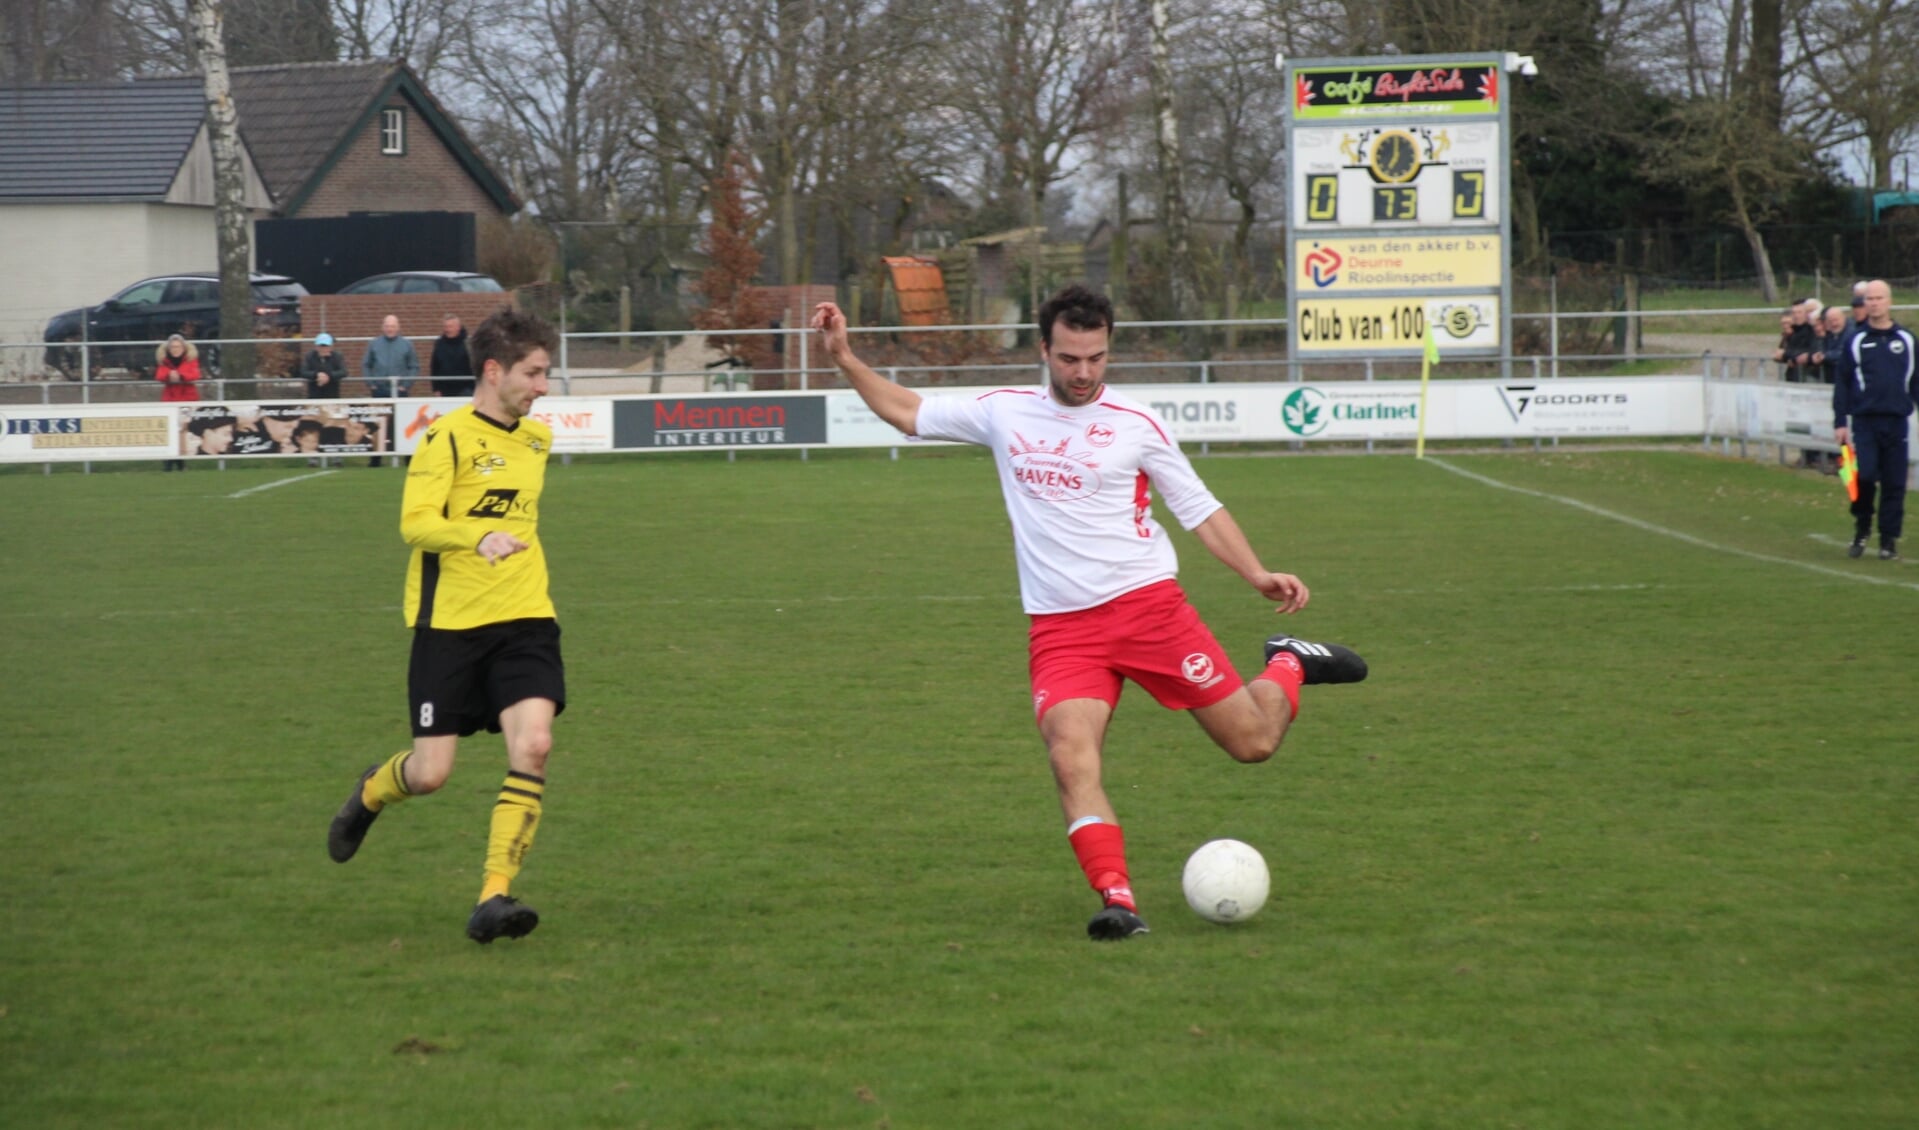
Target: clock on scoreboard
(1411, 175)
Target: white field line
(279, 483)
(1702, 543)
(1872, 549)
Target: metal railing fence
(1195, 351)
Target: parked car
(424, 282)
(151, 309)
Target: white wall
(59, 256)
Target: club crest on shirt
(1099, 435)
(1051, 472)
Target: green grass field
(1621, 832)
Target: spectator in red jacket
(177, 368)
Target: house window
(393, 131)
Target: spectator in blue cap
(323, 369)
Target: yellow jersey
(471, 476)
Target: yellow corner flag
(1849, 471)
(1425, 376)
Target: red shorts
(1151, 636)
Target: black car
(151, 309)
(424, 282)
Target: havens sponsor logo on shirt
(1051, 473)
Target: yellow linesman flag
(1432, 346)
(1849, 471)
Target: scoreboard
(1367, 176)
(1397, 187)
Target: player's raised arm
(897, 405)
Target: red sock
(1101, 849)
(1288, 674)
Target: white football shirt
(1078, 487)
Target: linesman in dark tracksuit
(1873, 392)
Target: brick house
(106, 183)
(332, 139)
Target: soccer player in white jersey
(1077, 465)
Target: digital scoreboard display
(1398, 221)
(1366, 176)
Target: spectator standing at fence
(323, 369)
(1835, 325)
(1798, 342)
(1872, 399)
(1077, 464)
(390, 363)
(176, 365)
(451, 365)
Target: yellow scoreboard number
(1469, 194)
(1395, 204)
(1322, 197)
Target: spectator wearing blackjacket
(1872, 398)
(451, 365)
(1798, 343)
(323, 368)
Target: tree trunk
(229, 197)
(1881, 149)
(1735, 29)
(787, 218)
(1242, 268)
(1172, 210)
(1768, 48)
(1761, 261)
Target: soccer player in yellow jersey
(486, 646)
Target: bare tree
(58, 40)
(1029, 81)
(539, 80)
(1172, 176)
(420, 31)
(1236, 104)
(267, 32)
(1858, 62)
(229, 191)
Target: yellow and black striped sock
(516, 816)
(388, 783)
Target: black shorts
(459, 681)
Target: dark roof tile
(294, 116)
(73, 140)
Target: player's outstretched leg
(1319, 662)
(351, 822)
(501, 916)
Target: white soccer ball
(1225, 881)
